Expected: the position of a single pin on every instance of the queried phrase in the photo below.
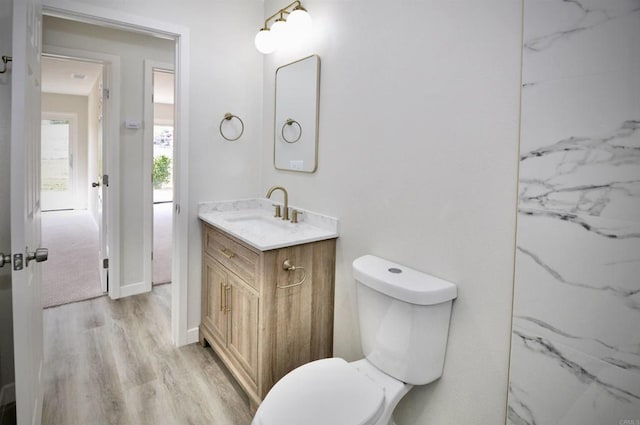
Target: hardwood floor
(112, 362)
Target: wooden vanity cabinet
(262, 332)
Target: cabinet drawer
(237, 258)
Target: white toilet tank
(404, 319)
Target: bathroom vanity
(267, 290)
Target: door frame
(112, 18)
(111, 79)
(147, 168)
(72, 117)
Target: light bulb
(265, 41)
(279, 31)
(299, 21)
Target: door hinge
(152, 255)
(105, 180)
(106, 93)
(105, 263)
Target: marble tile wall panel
(578, 283)
(580, 144)
(576, 338)
(558, 385)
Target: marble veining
(547, 348)
(621, 292)
(578, 287)
(575, 353)
(584, 174)
(585, 17)
(560, 385)
(624, 356)
(615, 230)
(252, 221)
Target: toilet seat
(328, 391)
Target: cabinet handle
(226, 299)
(227, 253)
(222, 286)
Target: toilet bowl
(404, 322)
(332, 391)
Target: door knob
(4, 259)
(95, 184)
(40, 255)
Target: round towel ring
(228, 117)
(287, 266)
(290, 121)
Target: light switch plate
(131, 123)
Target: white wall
(132, 49)
(6, 318)
(419, 110)
(53, 102)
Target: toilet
(404, 323)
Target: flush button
(395, 270)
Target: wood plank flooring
(112, 362)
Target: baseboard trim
(133, 289)
(8, 394)
(193, 335)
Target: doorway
(179, 36)
(163, 88)
(70, 162)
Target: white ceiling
(58, 76)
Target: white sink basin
(252, 221)
(259, 221)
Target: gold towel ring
(290, 122)
(286, 265)
(227, 117)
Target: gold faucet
(285, 215)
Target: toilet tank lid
(402, 282)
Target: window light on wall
(288, 24)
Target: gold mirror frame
(316, 118)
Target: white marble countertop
(252, 221)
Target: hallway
(112, 362)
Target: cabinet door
(243, 325)
(215, 281)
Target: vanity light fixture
(288, 24)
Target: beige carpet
(162, 226)
(71, 273)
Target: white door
(25, 209)
(102, 184)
